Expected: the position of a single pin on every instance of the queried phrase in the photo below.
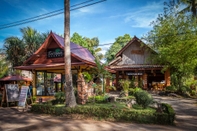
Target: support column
(81, 89)
(117, 79)
(167, 77)
(107, 85)
(34, 74)
(144, 78)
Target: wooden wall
(135, 54)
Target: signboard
(23, 95)
(134, 74)
(55, 53)
(12, 92)
(139, 52)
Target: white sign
(134, 74)
(23, 95)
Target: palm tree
(32, 40)
(15, 50)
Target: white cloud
(105, 45)
(143, 16)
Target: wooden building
(133, 62)
(47, 65)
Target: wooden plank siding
(135, 54)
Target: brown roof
(15, 78)
(136, 66)
(77, 51)
(45, 66)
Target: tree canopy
(18, 50)
(90, 43)
(119, 43)
(174, 38)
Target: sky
(106, 20)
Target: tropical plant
(14, 48)
(125, 84)
(4, 68)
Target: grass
(116, 105)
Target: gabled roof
(77, 51)
(129, 43)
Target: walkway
(13, 120)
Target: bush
(98, 99)
(184, 90)
(193, 92)
(171, 88)
(168, 114)
(59, 98)
(143, 98)
(34, 99)
(108, 113)
(132, 91)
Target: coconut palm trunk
(69, 90)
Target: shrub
(193, 92)
(98, 99)
(34, 99)
(171, 88)
(184, 90)
(137, 89)
(109, 112)
(59, 98)
(168, 116)
(143, 98)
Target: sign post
(23, 96)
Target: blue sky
(106, 20)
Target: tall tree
(90, 43)
(119, 43)
(32, 39)
(69, 92)
(174, 38)
(4, 68)
(189, 6)
(14, 48)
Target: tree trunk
(69, 91)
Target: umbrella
(15, 78)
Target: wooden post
(144, 78)
(117, 79)
(167, 77)
(69, 90)
(34, 73)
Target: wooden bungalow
(132, 62)
(47, 65)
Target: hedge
(139, 116)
